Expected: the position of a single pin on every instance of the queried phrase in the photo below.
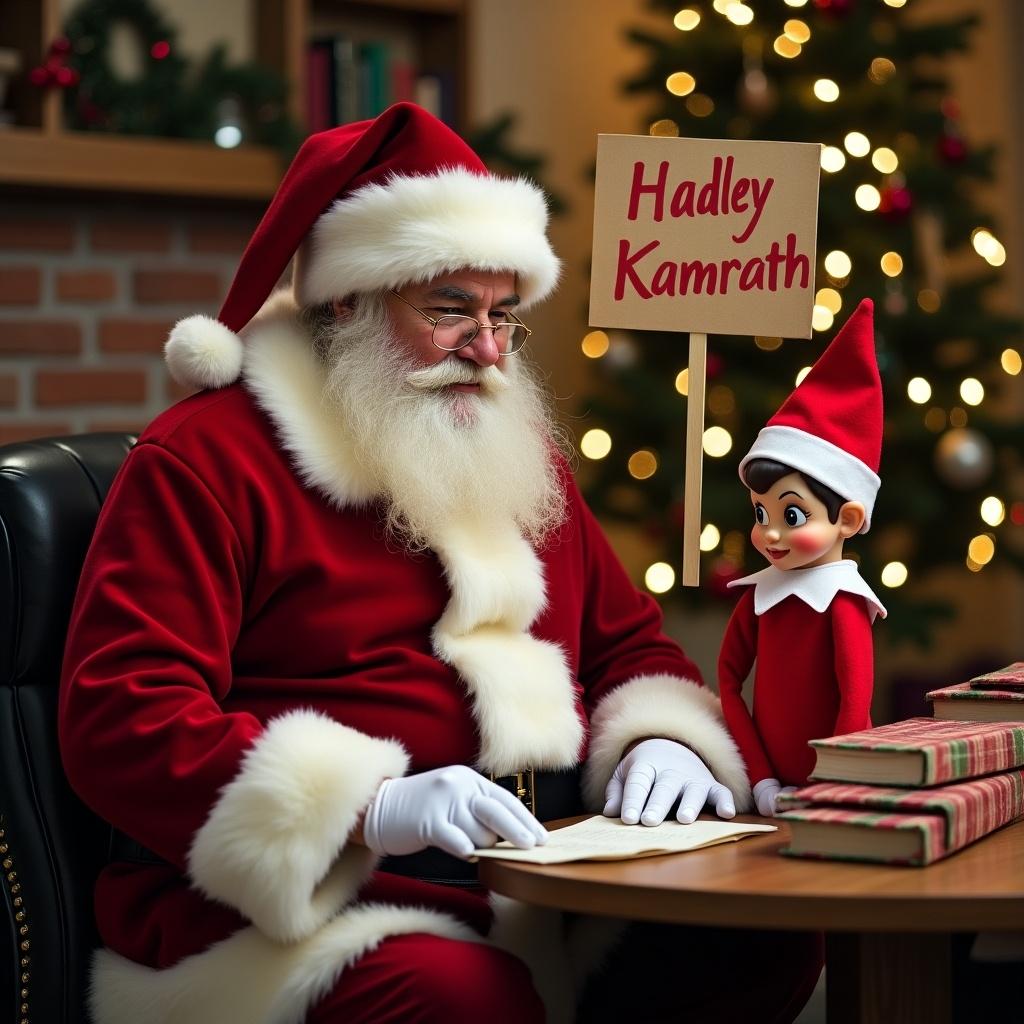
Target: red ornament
(720, 575)
(1017, 513)
(160, 50)
(952, 149)
(54, 70)
(835, 8)
(896, 202)
(714, 366)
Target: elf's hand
(453, 808)
(654, 775)
(766, 793)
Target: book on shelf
(920, 752)
(964, 702)
(898, 826)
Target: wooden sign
(704, 236)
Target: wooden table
(887, 929)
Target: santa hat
(830, 427)
(373, 205)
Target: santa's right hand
(765, 793)
(454, 808)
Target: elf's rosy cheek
(810, 538)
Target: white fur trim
(413, 228)
(662, 705)
(287, 381)
(202, 353)
(274, 844)
(250, 978)
(523, 696)
(827, 463)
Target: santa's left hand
(654, 775)
(766, 794)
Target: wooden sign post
(704, 236)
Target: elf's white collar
(815, 586)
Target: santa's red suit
(809, 631)
(248, 659)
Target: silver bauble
(963, 458)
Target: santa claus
(346, 604)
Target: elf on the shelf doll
(806, 619)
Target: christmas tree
(898, 222)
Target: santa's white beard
(439, 456)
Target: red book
(966, 702)
(920, 752)
(898, 826)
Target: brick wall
(88, 293)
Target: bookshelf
(38, 152)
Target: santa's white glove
(453, 808)
(657, 773)
(766, 793)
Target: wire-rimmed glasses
(454, 331)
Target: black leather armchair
(51, 846)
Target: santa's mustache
(458, 371)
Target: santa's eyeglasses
(454, 331)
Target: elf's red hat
(830, 427)
(373, 205)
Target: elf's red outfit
(809, 629)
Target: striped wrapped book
(898, 826)
(964, 702)
(920, 752)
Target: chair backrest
(51, 845)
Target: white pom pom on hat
(202, 353)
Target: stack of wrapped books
(993, 697)
(907, 793)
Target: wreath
(168, 98)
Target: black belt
(549, 795)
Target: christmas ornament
(963, 458)
(834, 8)
(895, 203)
(951, 148)
(54, 71)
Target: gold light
(739, 14)
(993, 511)
(665, 128)
(830, 299)
(683, 382)
(882, 69)
(957, 417)
(660, 578)
(687, 19)
(928, 299)
(785, 47)
(894, 574)
(892, 264)
(1010, 361)
(935, 419)
(797, 30)
(826, 90)
(988, 247)
(867, 197)
(700, 105)
(800, 376)
(680, 83)
(767, 344)
(832, 159)
(642, 464)
(721, 400)
(796, 3)
(981, 549)
(895, 3)
(717, 442)
(972, 391)
(919, 390)
(857, 144)
(822, 318)
(838, 264)
(885, 160)
(595, 344)
(596, 444)
(709, 537)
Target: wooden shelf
(117, 163)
